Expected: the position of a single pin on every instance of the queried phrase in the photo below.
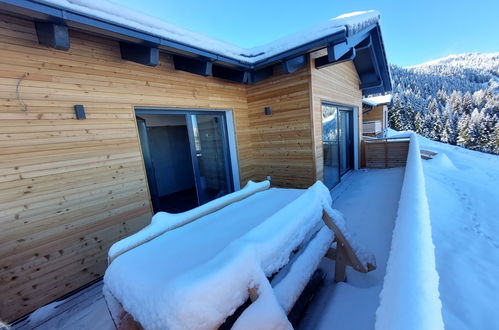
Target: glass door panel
(210, 153)
(330, 145)
(345, 140)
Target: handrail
(370, 139)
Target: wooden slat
(385, 153)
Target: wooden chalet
(104, 122)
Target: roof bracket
(294, 64)
(371, 84)
(142, 54)
(259, 75)
(336, 51)
(193, 65)
(324, 61)
(235, 75)
(52, 35)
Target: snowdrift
(410, 297)
(193, 277)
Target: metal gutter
(48, 13)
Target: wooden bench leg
(340, 264)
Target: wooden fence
(384, 153)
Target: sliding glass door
(330, 145)
(345, 133)
(211, 154)
(186, 155)
(337, 145)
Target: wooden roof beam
(52, 35)
(294, 64)
(200, 67)
(142, 54)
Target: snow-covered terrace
(369, 201)
(388, 211)
(418, 273)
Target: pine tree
(394, 114)
(463, 138)
(437, 127)
(467, 102)
(419, 123)
(494, 141)
(474, 130)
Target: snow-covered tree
(438, 100)
(463, 138)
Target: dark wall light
(80, 111)
(267, 111)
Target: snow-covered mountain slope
(483, 64)
(462, 187)
(454, 100)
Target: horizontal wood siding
(282, 141)
(70, 188)
(385, 154)
(375, 114)
(337, 83)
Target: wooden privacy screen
(385, 153)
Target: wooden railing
(384, 152)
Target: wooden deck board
(84, 310)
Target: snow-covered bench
(194, 269)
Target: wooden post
(386, 153)
(344, 254)
(341, 263)
(253, 294)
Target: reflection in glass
(212, 156)
(330, 145)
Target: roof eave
(48, 13)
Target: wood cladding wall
(385, 153)
(282, 141)
(377, 113)
(70, 188)
(337, 83)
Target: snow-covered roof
(374, 101)
(351, 23)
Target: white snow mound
(196, 275)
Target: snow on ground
(369, 201)
(463, 193)
(410, 296)
(367, 198)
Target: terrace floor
(369, 201)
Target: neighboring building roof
(374, 101)
(351, 37)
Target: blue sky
(414, 31)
